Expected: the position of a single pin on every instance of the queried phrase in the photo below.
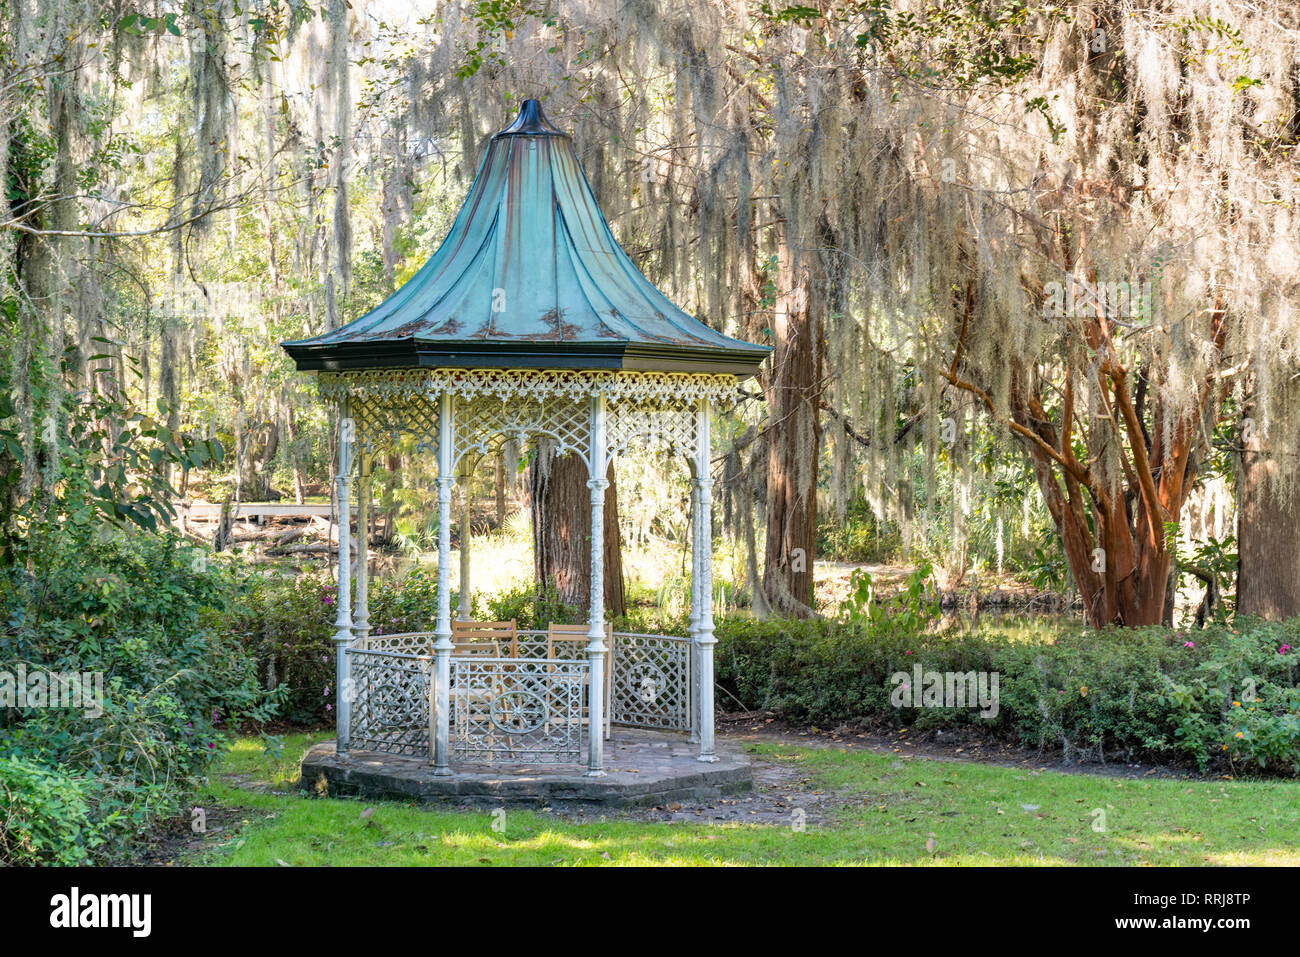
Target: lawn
(886, 809)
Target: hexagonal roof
(530, 276)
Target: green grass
(976, 814)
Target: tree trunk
(615, 589)
(793, 443)
(561, 512)
(1268, 527)
(1113, 533)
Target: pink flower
(1189, 644)
(907, 652)
(1284, 649)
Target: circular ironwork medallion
(646, 682)
(518, 712)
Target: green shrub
(825, 671)
(1219, 695)
(286, 626)
(1118, 693)
(149, 614)
(858, 537)
(1094, 693)
(532, 608)
(44, 815)
(1242, 697)
(407, 604)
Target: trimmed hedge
(1115, 694)
(1220, 696)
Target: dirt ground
(780, 787)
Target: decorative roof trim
(575, 384)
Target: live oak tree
(1094, 247)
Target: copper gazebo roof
(530, 276)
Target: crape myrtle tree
(1081, 218)
(1120, 277)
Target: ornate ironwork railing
(390, 702)
(518, 710)
(527, 709)
(407, 643)
(531, 644)
(652, 678)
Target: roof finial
(531, 121)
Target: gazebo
(528, 323)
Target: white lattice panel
(669, 429)
(574, 384)
(652, 682)
(482, 423)
(382, 420)
(407, 643)
(517, 711)
(655, 411)
(390, 702)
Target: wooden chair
(481, 649)
(504, 633)
(570, 641)
(566, 641)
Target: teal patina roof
(530, 276)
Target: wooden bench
(570, 641)
(503, 633)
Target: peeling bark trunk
(561, 512)
(1124, 583)
(793, 443)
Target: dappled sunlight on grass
(1270, 857)
(879, 809)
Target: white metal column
(703, 572)
(442, 647)
(596, 647)
(361, 613)
(695, 605)
(343, 620)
